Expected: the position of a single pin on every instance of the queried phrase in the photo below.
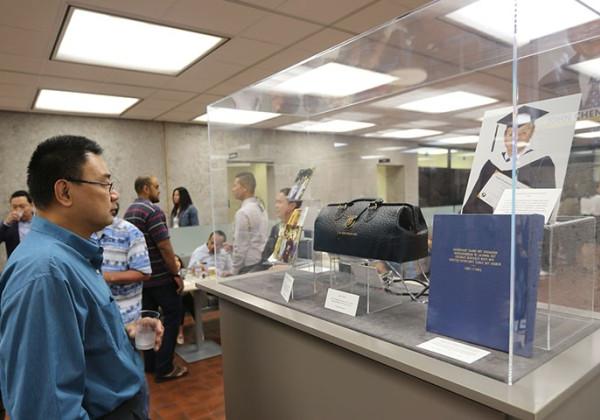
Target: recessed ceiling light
(89, 103)
(447, 102)
(590, 135)
(589, 68)
(113, 41)
(332, 126)
(428, 151)
(340, 144)
(458, 140)
(583, 124)
(412, 133)
(390, 148)
(234, 116)
(372, 157)
(334, 79)
(496, 18)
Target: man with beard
(165, 284)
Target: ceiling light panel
(496, 18)
(447, 102)
(412, 133)
(113, 41)
(333, 79)
(584, 124)
(332, 126)
(235, 116)
(458, 140)
(88, 103)
(589, 68)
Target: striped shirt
(125, 249)
(151, 220)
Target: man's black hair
(59, 157)
(21, 193)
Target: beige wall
(178, 154)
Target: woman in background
(184, 213)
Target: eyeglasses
(110, 185)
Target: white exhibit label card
(287, 286)
(344, 302)
(454, 350)
(497, 184)
(530, 201)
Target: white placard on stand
(454, 350)
(344, 302)
(287, 286)
(530, 201)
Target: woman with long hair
(184, 213)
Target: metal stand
(202, 349)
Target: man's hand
(12, 217)
(179, 282)
(156, 325)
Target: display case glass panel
(483, 114)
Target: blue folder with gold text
(469, 298)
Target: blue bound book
(469, 298)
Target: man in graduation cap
(534, 168)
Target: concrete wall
(180, 155)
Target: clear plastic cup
(145, 334)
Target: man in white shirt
(212, 254)
(250, 225)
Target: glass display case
(485, 114)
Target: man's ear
(63, 193)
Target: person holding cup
(65, 351)
(17, 223)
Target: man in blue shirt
(64, 351)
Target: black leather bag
(370, 228)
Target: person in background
(184, 213)
(212, 254)
(283, 210)
(250, 225)
(17, 223)
(125, 264)
(165, 284)
(64, 352)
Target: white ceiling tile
(19, 63)
(266, 4)
(93, 87)
(190, 109)
(369, 17)
(323, 40)
(24, 42)
(280, 30)
(15, 104)
(284, 59)
(244, 51)
(325, 12)
(217, 16)
(11, 90)
(203, 75)
(225, 89)
(172, 95)
(37, 15)
(149, 9)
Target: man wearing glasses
(64, 352)
(165, 284)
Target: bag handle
(373, 205)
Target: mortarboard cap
(525, 114)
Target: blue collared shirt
(64, 353)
